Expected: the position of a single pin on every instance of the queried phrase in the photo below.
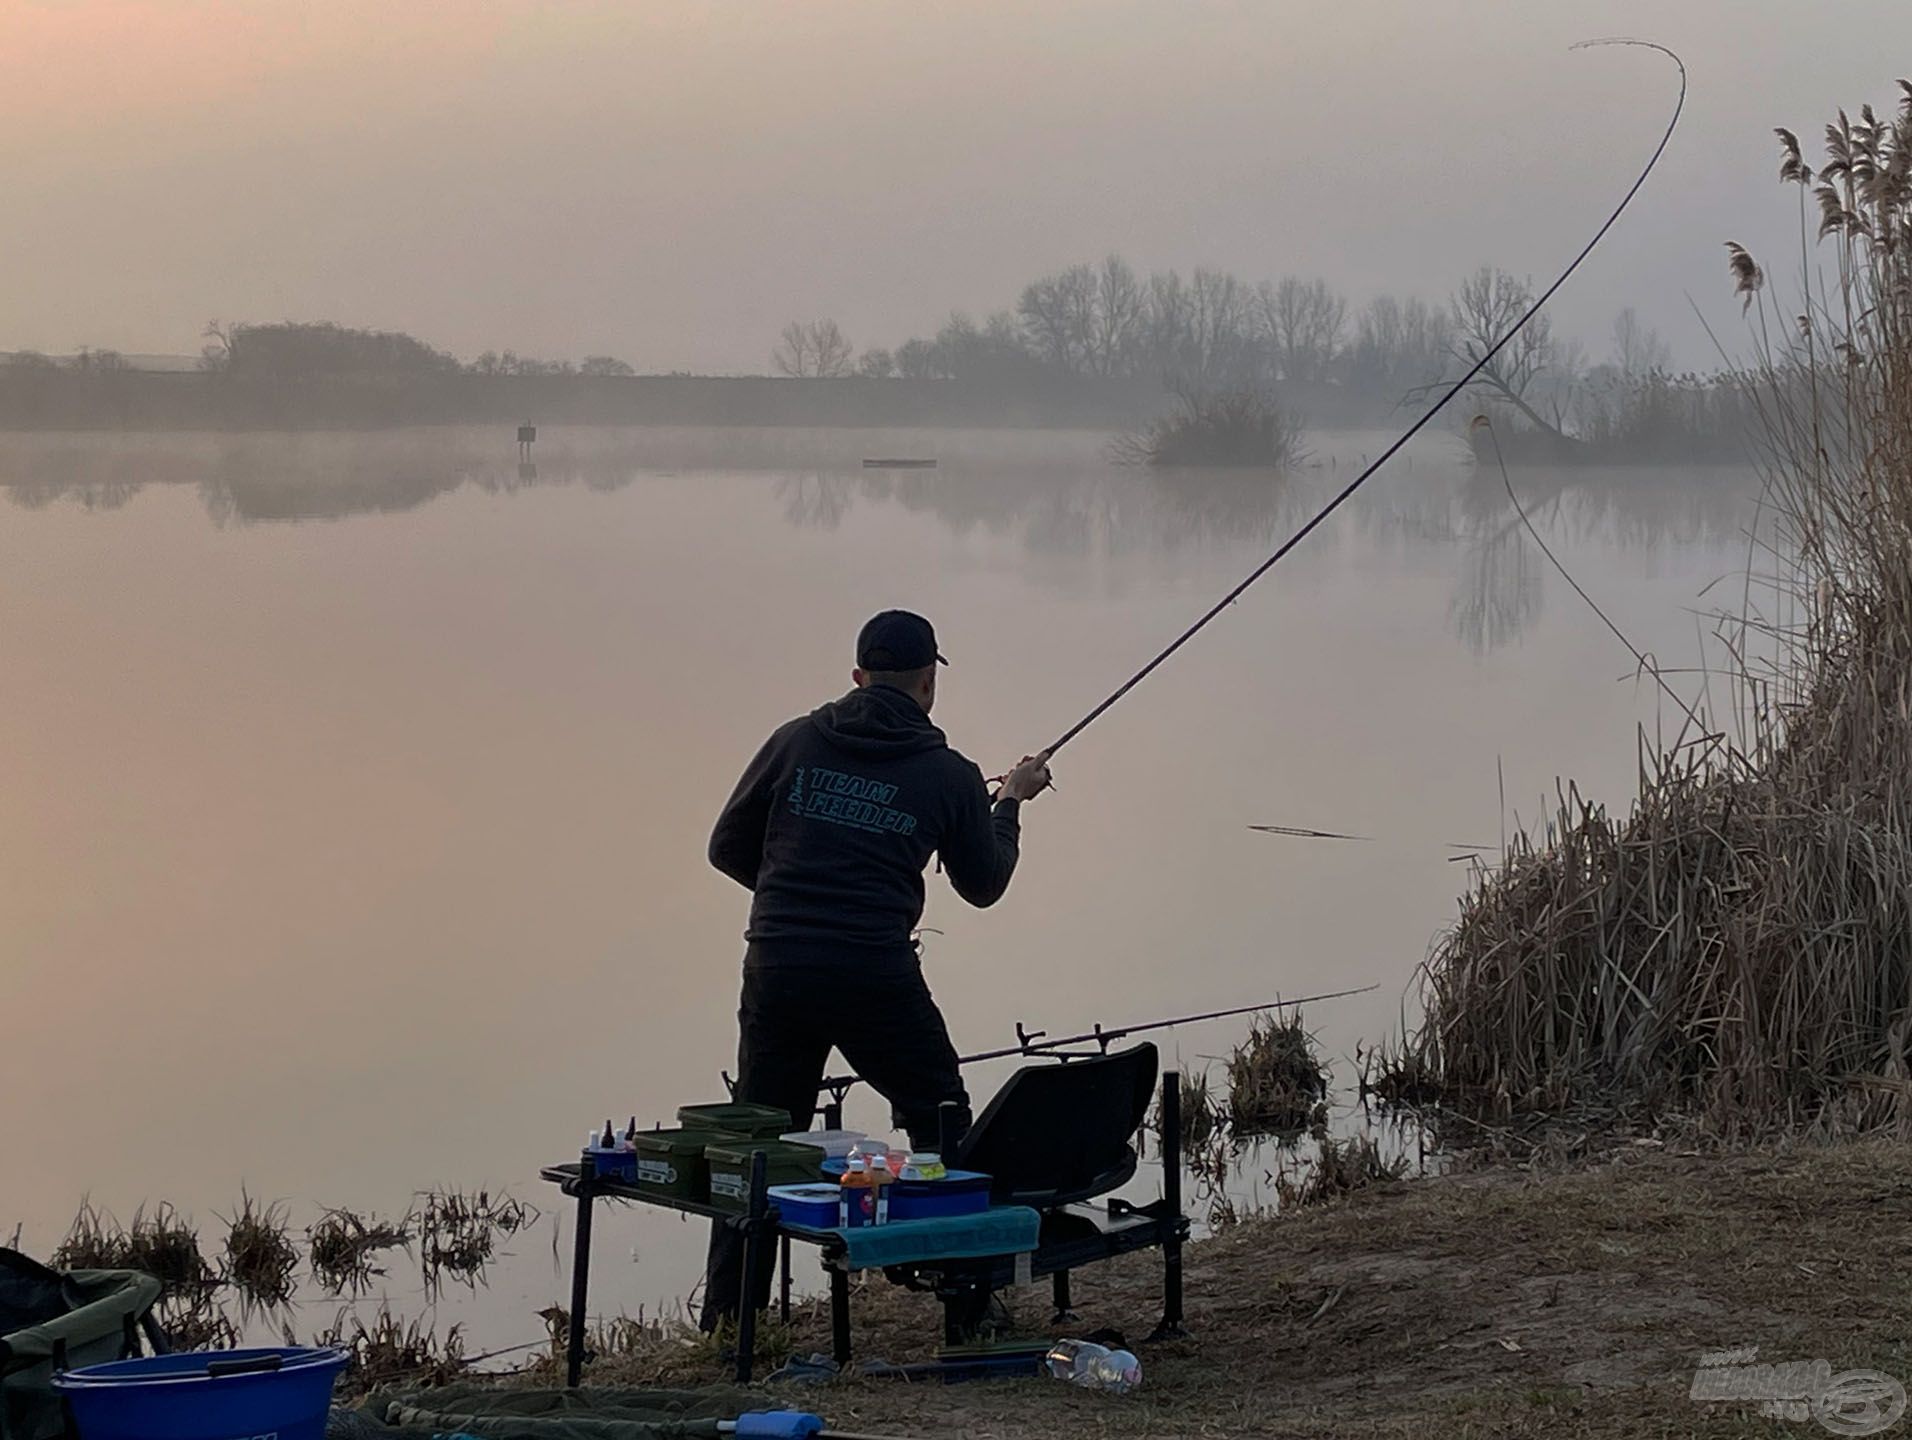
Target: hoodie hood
(877, 721)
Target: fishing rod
(1459, 385)
(1032, 1042)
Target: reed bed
(392, 1349)
(1276, 1082)
(344, 1248)
(261, 1262)
(1203, 1116)
(1736, 945)
(1209, 427)
(1340, 1168)
(458, 1234)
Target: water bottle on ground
(1094, 1367)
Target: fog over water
(671, 182)
(357, 769)
(367, 845)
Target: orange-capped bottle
(856, 1195)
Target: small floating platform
(899, 464)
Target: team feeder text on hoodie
(834, 821)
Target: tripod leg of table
(751, 1260)
(783, 1297)
(839, 1315)
(580, 1286)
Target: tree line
(1206, 332)
(1209, 328)
(1212, 332)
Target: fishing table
(1006, 1245)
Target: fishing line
(1647, 664)
(1459, 385)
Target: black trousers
(887, 1026)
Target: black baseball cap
(897, 640)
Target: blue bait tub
(206, 1395)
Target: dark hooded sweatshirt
(834, 821)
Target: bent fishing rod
(1033, 1042)
(1480, 364)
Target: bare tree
(1398, 345)
(1638, 350)
(793, 355)
(1487, 305)
(1165, 324)
(216, 354)
(1058, 315)
(831, 350)
(1302, 325)
(1219, 336)
(876, 364)
(1120, 304)
(813, 348)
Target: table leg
(1172, 1327)
(783, 1296)
(751, 1260)
(580, 1285)
(840, 1315)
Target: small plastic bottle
(1094, 1367)
(880, 1182)
(856, 1204)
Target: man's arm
(979, 852)
(736, 844)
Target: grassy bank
(1503, 1302)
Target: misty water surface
(356, 787)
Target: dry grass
(1738, 944)
(261, 1263)
(344, 1248)
(161, 1243)
(1276, 1082)
(1243, 428)
(1203, 1116)
(1339, 1168)
(667, 1349)
(458, 1234)
(392, 1350)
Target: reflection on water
(372, 852)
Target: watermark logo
(1849, 1402)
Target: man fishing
(830, 828)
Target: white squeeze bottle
(1094, 1367)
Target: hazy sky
(670, 182)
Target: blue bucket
(207, 1395)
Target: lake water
(354, 789)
